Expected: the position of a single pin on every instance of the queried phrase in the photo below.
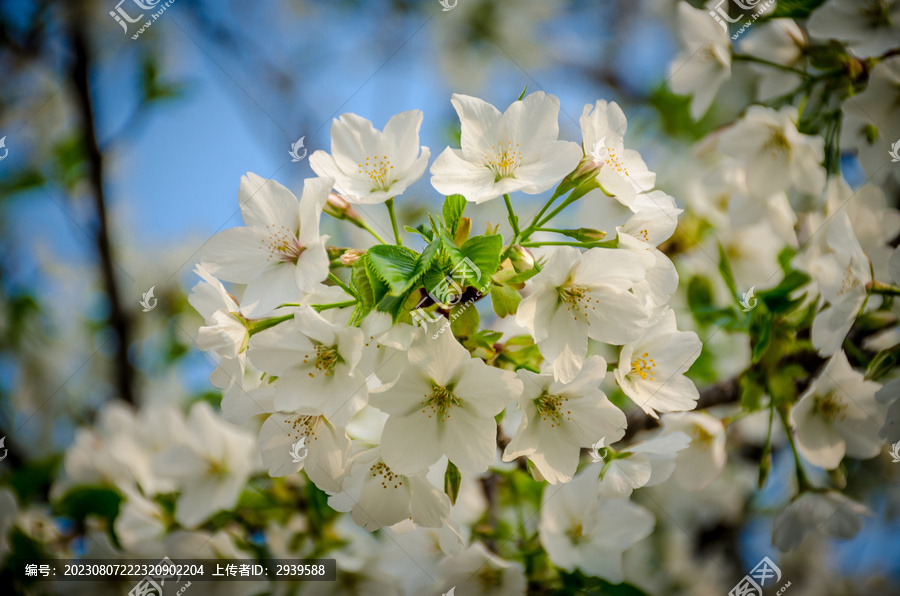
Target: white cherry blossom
(377, 496)
(503, 153)
(561, 418)
(651, 368)
(480, 572)
(868, 27)
(869, 109)
(704, 63)
(776, 155)
(620, 172)
(371, 166)
(580, 295)
(224, 332)
(619, 525)
(325, 454)
(704, 459)
(444, 403)
(209, 468)
(839, 415)
(827, 511)
(316, 362)
(842, 273)
(279, 253)
(647, 463)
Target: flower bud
(588, 235)
(339, 208)
(588, 168)
(522, 259)
(351, 256)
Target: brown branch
(117, 318)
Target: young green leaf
(399, 267)
(478, 259)
(422, 230)
(454, 206)
(883, 362)
(452, 479)
(394, 265)
(727, 275)
(359, 281)
(505, 300)
(464, 319)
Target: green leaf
(153, 87)
(760, 336)
(778, 298)
(751, 392)
(794, 9)
(450, 248)
(394, 265)
(31, 479)
(522, 94)
(520, 352)
(427, 257)
(454, 207)
(19, 181)
(452, 479)
(700, 301)
(392, 304)
(359, 281)
(579, 583)
(422, 230)
(785, 257)
(464, 319)
(83, 501)
(463, 229)
(483, 254)
(485, 338)
(511, 277)
(881, 364)
(727, 275)
(378, 285)
(399, 267)
(699, 293)
(781, 387)
(505, 300)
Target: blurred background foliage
(125, 156)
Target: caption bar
(180, 570)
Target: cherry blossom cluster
(394, 415)
(815, 248)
